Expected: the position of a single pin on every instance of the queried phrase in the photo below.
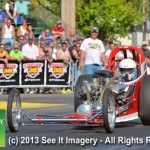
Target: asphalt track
(130, 135)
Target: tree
(111, 16)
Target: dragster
(102, 99)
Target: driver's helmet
(128, 71)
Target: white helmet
(128, 70)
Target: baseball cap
(144, 43)
(16, 46)
(30, 38)
(95, 29)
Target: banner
(2, 128)
(58, 73)
(33, 72)
(9, 73)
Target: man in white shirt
(92, 53)
(30, 51)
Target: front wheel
(13, 110)
(109, 111)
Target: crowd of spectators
(20, 43)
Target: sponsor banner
(57, 73)
(2, 128)
(9, 73)
(33, 73)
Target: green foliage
(50, 5)
(111, 16)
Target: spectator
(111, 47)
(29, 29)
(72, 36)
(72, 47)
(41, 48)
(11, 9)
(92, 50)
(148, 44)
(47, 55)
(53, 50)
(63, 53)
(47, 37)
(22, 7)
(16, 54)
(21, 42)
(146, 54)
(22, 29)
(8, 32)
(3, 54)
(42, 33)
(76, 58)
(58, 31)
(30, 51)
(3, 16)
(76, 52)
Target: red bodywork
(138, 57)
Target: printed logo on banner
(2, 128)
(32, 69)
(57, 69)
(8, 70)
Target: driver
(128, 71)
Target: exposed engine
(91, 91)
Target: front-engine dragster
(115, 94)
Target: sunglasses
(16, 48)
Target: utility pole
(145, 14)
(68, 13)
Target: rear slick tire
(144, 102)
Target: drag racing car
(119, 93)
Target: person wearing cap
(58, 30)
(92, 53)
(30, 50)
(16, 54)
(11, 9)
